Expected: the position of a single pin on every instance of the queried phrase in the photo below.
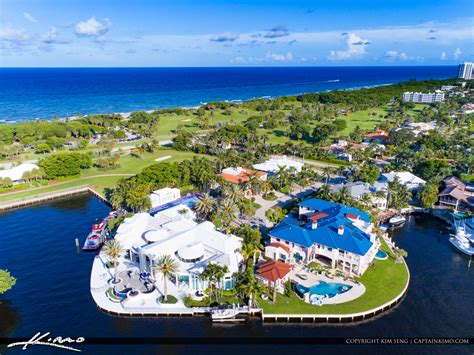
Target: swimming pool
(381, 255)
(330, 289)
(188, 201)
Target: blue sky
(235, 33)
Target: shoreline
(126, 114)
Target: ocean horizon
(42, 93)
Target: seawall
(51, 196)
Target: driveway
(282, 200)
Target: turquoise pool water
(323, 288)
(189, 201)
(381, 255)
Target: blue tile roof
(352, 240)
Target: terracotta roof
(352, 215)
(242, 177)
(280, 245)
(317, 216)
(378, 134)
(273, 270)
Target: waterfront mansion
(174, 232)
(336, 235)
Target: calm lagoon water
(30, 93)
(52, 292)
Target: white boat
(225, 315)
(397, 220)
(464, 232)
(463, 246)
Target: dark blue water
(43, 93)
(52, 292)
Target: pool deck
(356, 291)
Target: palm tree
(344, 195)
(282, 177)
(227, 211)
(251, 241)
(213, 273)
(255, 183)
(205, 205)
(400, 254)
(113, 249)
(327, 171)
(250, 288)
(266, 187)
(166, 265)
(233, 192)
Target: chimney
(340, 230)
(314, 224)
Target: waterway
(52, 293)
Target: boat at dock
(462, 245)
(228, 315)
(97, 235)
(462, 240)
(397, 220)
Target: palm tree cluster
(214, 273)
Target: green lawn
(363, 120)
(383, 281)
(169, 122)
(128, 166)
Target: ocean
(41, 93)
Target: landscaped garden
(383, 282)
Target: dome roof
(155, 235)
(191, 252)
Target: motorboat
(397, 220)
(93, 242)
(226, 315)
(464, 232)
(462, 240)
(97, 236)
(462, 245)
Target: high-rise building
(465, 70)
(424, 98)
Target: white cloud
(29, 17)
(15, 35)
(225, 37)
(443, 56)
(92, 27)
(356, 47)
(279, 57)
(457, 53)
(392, 56)
(52, 37)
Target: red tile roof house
(456, 194)
(339, 149)
(379, 136)
(274, 273)
(241, 175)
